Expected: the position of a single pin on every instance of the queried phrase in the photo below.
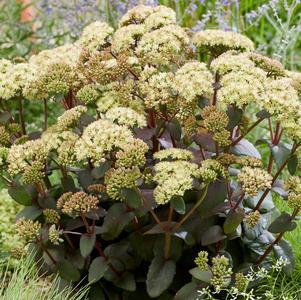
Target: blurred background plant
(274, 25)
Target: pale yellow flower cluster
(218, 41)
(174, 178)
(126, 116)
(254, 180)
(121, 178)
(174, 154)
(20, 157)
(99, 138)
(95, 36)
(132, 154)
(70, 117)
(192, 81)
(13, 78)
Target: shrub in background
(147, 183)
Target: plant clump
(149, 183)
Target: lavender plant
(147, 184)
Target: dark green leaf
(67, 271)
(68, 184)
(213, 235)
(280, 154)
(205, 140)
(86, 244)
(175, 130)
(131, 197)
(100, 171)
(85, 178)
(244, 147)
(293, 164)
(126, 282)
(4, 117)
(96, 293)
(263, 114)
(29, 212)
(284, 250)
(203, 275)
(20, 195)
(234, 218)
(178, 204)
(216, 195)
(160, 275)
(189, 291)
(115, 221)
(235, 115)
(266, 205)
(282, 223)
(97, 269)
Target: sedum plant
(148, 185)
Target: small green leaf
(97, 269)
(234, 218)
(160, 275)
(100, 171)
(86, 244)
(203, 275)
(132, 197)
(178, 204)
(67, 271)
(175, 130)
(20, 195)
(293, 164)
(282, 223)
(126, 282)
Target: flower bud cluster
(221, 272)
(202, 260)
(28, 230)
(121, 178)
(254, 180)
(132, 154)
(51, 216)
(174, 154)
(210, 170)
(76, 204)
(54, 235)
(253, 218)
(70, 117)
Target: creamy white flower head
(281, 100)
(161, 16)
(231, 61)
(126, 116)
(101, 137)
(126, 38)
(157, 87)
(68, 54)
(5, 65)
(69, 118)
(13, 79)
(193, 80)
(219, 41)
(174, 179)
(135, 15)
(174, 154)
(242, 87)
(95, 36)
(21, 156)
(163, 45)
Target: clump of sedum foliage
(147, 184)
